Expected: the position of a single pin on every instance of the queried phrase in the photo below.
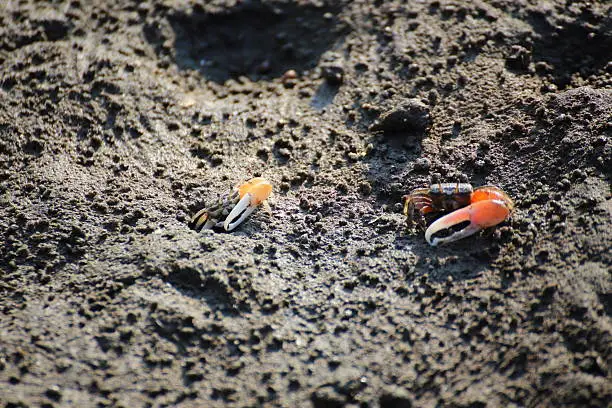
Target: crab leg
(481, 214)
(252, 193)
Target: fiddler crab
(229, 212)
(471, 210)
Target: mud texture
(120, 118)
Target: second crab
(471, 210)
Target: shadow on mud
(206, 286)
(324, 96)
(579, 47)
(396, 143)
(255, 39)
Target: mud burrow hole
(255, 39)
(582, 46)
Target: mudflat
(121, 119)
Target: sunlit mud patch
(256, 39)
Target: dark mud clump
(409, 115)
(120, 119)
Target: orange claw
(492, 193)
(482, 213)
(258, 187)
(252, 193)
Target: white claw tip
(239, 213)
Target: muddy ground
(120, 119)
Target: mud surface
(120, 119)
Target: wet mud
(120, 119)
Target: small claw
(210, 224)
(202, 221)
(200, 218)
(480, 215)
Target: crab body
(438, 197)
(230, 211)
(470, 210)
